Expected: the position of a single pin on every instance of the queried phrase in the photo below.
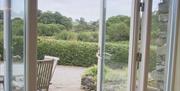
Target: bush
(17, 45)
(70, 52)
(49, 29)
(78, 53)
(66, 35)
(113, 79)
(84, 53)
(118, 32)
(88, 36)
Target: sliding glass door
(152, 66)
(152, 46)
(19, 62)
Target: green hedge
(79, 53)
(70, 53)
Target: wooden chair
(44, 74)
(56, 59)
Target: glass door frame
(172, 51)
(133, 44)
(101, 45)
(30, 45)
(7, 45)
(177, 64)
(172, 44)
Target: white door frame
(101, 45)
(177, 64)
(145, 40)
(173, 27)
(133, 45)
(7, 45)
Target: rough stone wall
(162, 42)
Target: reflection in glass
(117, 43)
(157, 69)
(17, 19)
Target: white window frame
(177, 66)
(145, 40)
(172, 44)
(133, 45)
(7, 45)
(101, 45)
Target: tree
(155, 25)
(118, 28)
(1, 14)
(49, 29)
(82, 25)
(54, 18)
(39, 12)
(118, 32)
(118, 19)
(1, 25)
(17, 26)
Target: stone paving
(67, 78)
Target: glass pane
(17, 19)
(159, 33)
(117, 43)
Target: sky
(89, 9)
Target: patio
(65, 78)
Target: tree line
(54, 23)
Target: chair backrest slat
(44, 69)
(56, 59)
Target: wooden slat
(44, 73)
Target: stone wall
(161, 43)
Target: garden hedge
(77, 53)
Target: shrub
(49, 29)
(116, 76)
(118, 32)
(70, 52)
(77, 53)
(84, 53)
(66, 35)
(17, 46)
(88, 36)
